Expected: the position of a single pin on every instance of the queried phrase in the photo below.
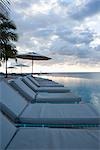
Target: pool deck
(34, 137)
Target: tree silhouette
(7, 35)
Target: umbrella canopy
(11, 67)
(32, 56)
(21, 65)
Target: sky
(66, 30)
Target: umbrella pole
(32, 66)
(21, 70)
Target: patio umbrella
(11, 67)
(32, 56)
(21, 65)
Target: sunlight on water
(87, 86)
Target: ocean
(86, 85)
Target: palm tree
(4, 11)
(7, 35)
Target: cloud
(86, 9)
(76, 36)
(97, 48)
(49, 27)
(20, 4)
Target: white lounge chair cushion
(32, 80)
(60, 114)
(43, 83)
(46, 138)
(30, 84)
(47, 89)
(57, 97)
(56, 139)
(40, 80)
(47, 113)
(7, 130)
(30, 95)
(11, 99)
(51, 85)
(53, 89)
(23, 89)
(43, 80)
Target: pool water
(86, 85)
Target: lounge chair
(20, 112)
(7, 131)
(26, 89)
(43, 82)
(48, 88)
(36, 138)
(40, 79)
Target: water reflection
(87, 88)
(95, 99)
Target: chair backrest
(32, 79)
(7, 130)
(23, 89)
(30, 84)
(11, 102)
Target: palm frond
(8, 36)
(3, 17)
(8, 51)
(7, 24)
